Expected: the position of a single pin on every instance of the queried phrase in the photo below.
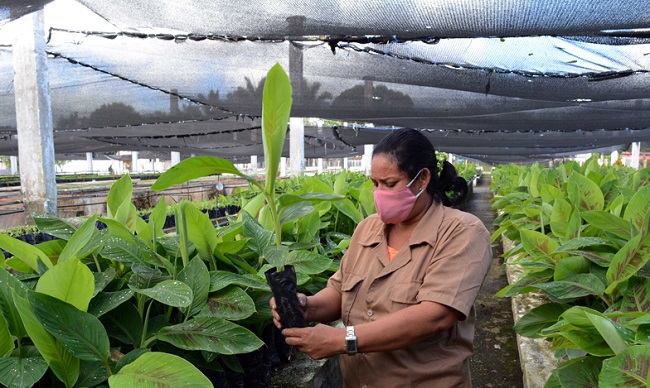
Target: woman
(407, 283)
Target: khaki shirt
(444, 261)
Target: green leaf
(643, 334)
(232, 303)
(276, 109)
(52, 249)
(584, 193)
(9, 285)
(169, 292)
(569, 266)
(145, 277)
(628, 261)
(86, 240)
(366, 199)
(93, 373)
(627, 369)
(102, 279)
(259, 238)
(638, 208)
(200, 230)
(223, 279)
(232, 247)
(341, 184)
(197, 278)
(19, 372)
(539, 318)
(6, 340)
(64, 365)
(26, 253)
(79, 332)
(157, 217)
(616, 206)
(107, 301)
(585, 242)
(277, 256)
(537, 245)
(549, 193)
(121, 191)
(252, 207)
(308, 262)
(122, 251)
(124, 323)
(608, 222)
(348, 208)
(117, 229)
(609, 332)
(54, 226)
(130, 357)
(295, 211)
(579, 372)
(574, 286)
(127, 215)
(196, 167)
(159, 370)
(212, 334)
(70, 281)
(560, 216)
(524, 283)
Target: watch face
(351, 346)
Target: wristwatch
(350, 341)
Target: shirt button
(370, 313)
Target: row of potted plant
(582, 237)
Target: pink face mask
(394, 206)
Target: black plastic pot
(284, 289)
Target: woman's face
(387, 176)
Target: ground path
(496, 359)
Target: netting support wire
(123, 78)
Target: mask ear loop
(416, 177)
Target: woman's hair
(413, 152)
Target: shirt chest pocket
(350, 291)
(405, 292)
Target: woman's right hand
(302, 299)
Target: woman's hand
(318, 342)
(302, 299)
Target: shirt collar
(424, 232)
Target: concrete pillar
(135, 168)
(636, 154)
(346, 163)
(34, 117)
(614, 157)
(253, 165)
(14, 164)
(89, 162)
(174, 108)
(320, 165)
(367, 158)
(283, 166)
(176, 157)
(297, 145)
(368, 91)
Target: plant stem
(99, 267)
(145, 324)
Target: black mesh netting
(517, 81)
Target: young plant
(274, 210)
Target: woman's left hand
(318, 342)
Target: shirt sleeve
(459, 264)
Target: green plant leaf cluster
(582, 237)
